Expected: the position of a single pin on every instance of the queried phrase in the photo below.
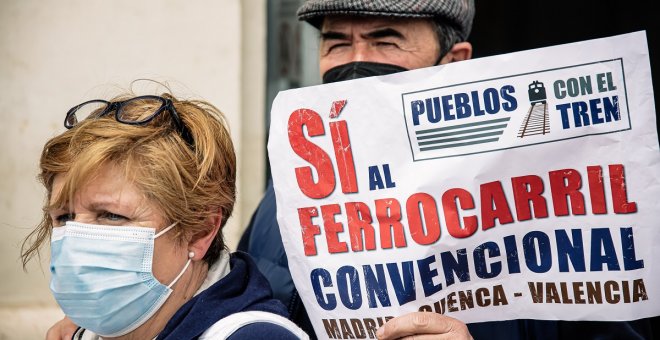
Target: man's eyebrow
(384, 33)
(332, 35)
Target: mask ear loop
(191, 254)
(165, 230)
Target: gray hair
(448, 35)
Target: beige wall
(55, 54)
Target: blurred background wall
(57, 54)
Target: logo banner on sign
(519, 186)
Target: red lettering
(450, 207)
(431, 220)
(494, 205)
(526, 190)
(332, 228)
(596, 189)
(344, 154)
(359, 220)
(619, 195)
(388, 213)
(312, 153)
(309, 230)
(565, 184)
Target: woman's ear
(200, 242)
(460, 51)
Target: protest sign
(516, 186)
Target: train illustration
(536, 93)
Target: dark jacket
(242, 289)
(262, 240)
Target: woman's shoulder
(254, 325)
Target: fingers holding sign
(424, 325)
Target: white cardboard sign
(523, 185)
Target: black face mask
(359, 69)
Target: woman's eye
(61, 219)
(112, 217)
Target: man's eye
(386, 44)
(336, 46)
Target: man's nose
(362, 52)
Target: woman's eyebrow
(104, 203)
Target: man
(358, 39)
(368, 38)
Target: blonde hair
(188, 182)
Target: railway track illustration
(536, 121)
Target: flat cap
(459, 13)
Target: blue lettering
(563, 110)
(512, 260)
(595, 110)
(348, 285)
(602, 250)
(567, 249)
(417, 108)
(463, 109)
(433, 109)
(464, 105)
(475, 103)
(510, 103)
(480, 265)
(580, 114)
(388, 177)
(320, 276)
(585, 114)
(543, 254)
(376, 286)
(458, 266)
(491, 101)
(611, 108)
(375, 181)
(403, 282)
(630, 261)
(447, 108)
(427, 274)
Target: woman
(139, 189)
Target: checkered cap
(458, 12)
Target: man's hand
(62, 330)
(424, 326)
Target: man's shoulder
(559, 329)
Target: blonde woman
(139, 188)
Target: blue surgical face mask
(102, 276)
